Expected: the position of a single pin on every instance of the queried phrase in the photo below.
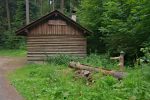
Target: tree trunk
(70, 8)
(62, 6)
(78, 66)
(41, 3)
(8, 15)
(53, 3)
(49, 5)
(27, 12)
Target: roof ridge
(23, 29)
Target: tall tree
(116, 24)
(53, 5)
(62, 6)
(41, 6)
(8, 15)
(27, 12)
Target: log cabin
(54, 34)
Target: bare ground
(7, 64)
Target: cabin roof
(24, 30)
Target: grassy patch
(93, 59)
(12, 53)
(57, 82)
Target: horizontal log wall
(39, 47)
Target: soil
(8, 64)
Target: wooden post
(121, 60)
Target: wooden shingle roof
(23, 31)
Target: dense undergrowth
(55, 81)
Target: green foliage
(89, 14)
(56, 82)
(8, 38)
(13, 52)
(61, 59)
(10, 41)
(120, 25)
(146, 52)
(117, 25)
(92, 59)
(99, 61)
(146, 59)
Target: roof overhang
(25, 30)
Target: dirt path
(7, 64)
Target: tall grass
(62, 59)
(93, 60)
(53, 81)
(13, 52)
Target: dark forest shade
(54, 34)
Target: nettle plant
(146, 52)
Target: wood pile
(86, 70)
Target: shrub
(61, 59)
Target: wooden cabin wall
(49, 40)
(40, 47)
(59, 27)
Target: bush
(61, 59)
(92, 59)
(9, 40)
(99, 61)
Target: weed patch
(55, 81)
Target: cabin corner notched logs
(54, 34)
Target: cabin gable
(55, 26)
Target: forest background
(118, 25)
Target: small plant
(61, 59)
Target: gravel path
(7, 64)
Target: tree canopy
(117, 24)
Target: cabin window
(56, 22)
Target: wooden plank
(55, 27)
(57, 22)
(30, 45)
(58, 48)
(44, 55)
(57, 52)
(58, 39)
(55, 47)
(53, 36)
(60, 36)
(58, 42)
(51, 48)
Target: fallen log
(78, 66)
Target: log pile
(85, 70)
